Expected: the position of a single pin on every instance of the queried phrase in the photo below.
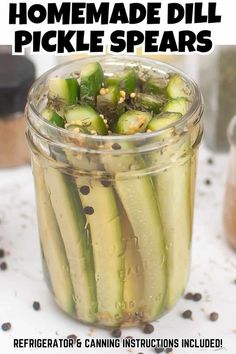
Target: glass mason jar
(230, 192)
(114, 212)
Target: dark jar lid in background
(17, 74)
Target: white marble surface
(213, 273)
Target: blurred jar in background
(217, 80)
(230, 193)
(17, 74)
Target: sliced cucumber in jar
(178, 105)
(62, 92)
(53, 117)
(126, 80)
(132, 122)
(110, 103)
(91, 80)
(151, 103)
(156, 85)
(163, 120)
(177, 87)
(85, 116)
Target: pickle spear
(53, 117)
(173, 191)
(177, 87)
(85, 116)
(52, 245)
(91, 81)
(109, 103)
(62, 92)
(151, 103)
(126, 80)
(132, 122)
(76, 238)
(104, 224)
(137, 196)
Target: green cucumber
(91, 80)
(75, 234)
(132, 122)
(52, 244)
(134, 272)
(156, 85)
(53, 117)
(62, 92)
(105, 228)
(151, 103)
(178, 105)
(177, 87)
(108, 104)
(162, 120)
(172, 185)
(85, 116)
(126, 80)
(137, 196)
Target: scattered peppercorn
(72, 336)
(169, 350)
(105, 183)
(6, 326)
(84, 190)
(187, 314)
(3, 266)
(89, 210)
(159, 350)
(210, 161)
(2, 253)
(208, 182)
(214, 316)
(197, 297)
(36, 305)
(148, 328)
(116, 146)
(116, 333)
(189, 296)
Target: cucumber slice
(91, 80)
(156, 85)
(177, 87)
(109, 105)
(85, 116)
(53, 117)
(52, 244)
(132, 122)
(172, 185)
(149, 103)
(105, 228)
(134, 272)
(162, 120)
(137, 196)
(62, 92)
(126, 80)
(75, 234)
(178, 105)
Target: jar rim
(196, 107)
